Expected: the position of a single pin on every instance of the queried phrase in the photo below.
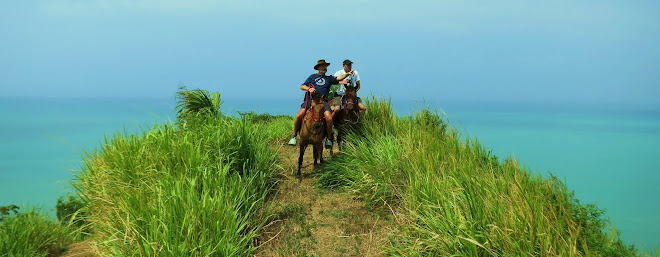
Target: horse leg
(300, 157)
(321, 153)
(316, 154)
(339, 139)
(332, 135)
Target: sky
(510, 50)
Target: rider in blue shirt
(321, 85)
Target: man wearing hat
(318, 83)
(352, 80)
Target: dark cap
(347, 62)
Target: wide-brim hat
(321, 62)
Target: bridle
(344, 104)
(313, 117)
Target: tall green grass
(191, 190)
(34, 234)
(454, 197)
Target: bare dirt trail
(80, 249)
(312, 221)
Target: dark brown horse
(348, 117)
(313, 131)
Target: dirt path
(80, 249)
(311, 221)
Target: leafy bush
(262, 117)
(590, 218)
(333, 92)
(197, 102)
(5, 211)
(71, 210)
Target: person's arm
(342, 77)
(306, 88)
(356, 75)
(308, 81)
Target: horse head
(316, 112)
(351, 111)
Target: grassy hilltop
(198, 188)
(455, 197)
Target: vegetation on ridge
(454, 197)
(197, 188)
(191, 190)
(32, 234)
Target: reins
(308, 97)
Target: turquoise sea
(607, 154)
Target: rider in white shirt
(351, 80)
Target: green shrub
(71, 210)
(5, 211)
(262, 117)
(197, 102)
(590, 218)
(333, 92)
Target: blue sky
(511, 50)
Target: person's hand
(351, 72)
(311, 90)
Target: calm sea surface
(608, 155)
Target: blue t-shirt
(321, 83)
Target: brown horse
(348, 117)
(313, 131)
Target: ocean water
(607, 154)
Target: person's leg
(336, 110)
(360, 105)
(298, 121)
(296, 125)
(328, 123)
(336, 105)
(327, 113)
